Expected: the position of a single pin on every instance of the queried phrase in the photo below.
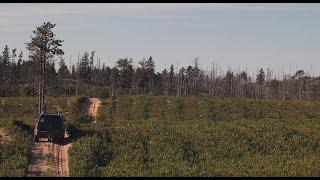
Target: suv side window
(43, 124)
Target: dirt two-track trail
(51, 159)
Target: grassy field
(170, 136)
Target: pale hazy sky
(236, 35)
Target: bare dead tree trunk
(41, 82)
(43, 79)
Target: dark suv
(51, 126)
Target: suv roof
(50, 113)
(50, 120)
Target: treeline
(20, 76)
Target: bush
(211, 110)
(28, 91)
(103, 94)
(189, 154)
(144, 107)
(14, 154)
(90, 153)
(179, 110)
(78, 110)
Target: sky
(282, 37)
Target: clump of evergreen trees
(19, 76)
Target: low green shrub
(89, 154)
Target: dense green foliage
(194, 136)
(171, 136)
(89, 154)
(14, 154)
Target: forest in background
(20, 76)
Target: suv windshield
(50, 122)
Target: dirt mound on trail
(4, 135)
(93, 108)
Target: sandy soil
(40, 164)
(4, 135)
